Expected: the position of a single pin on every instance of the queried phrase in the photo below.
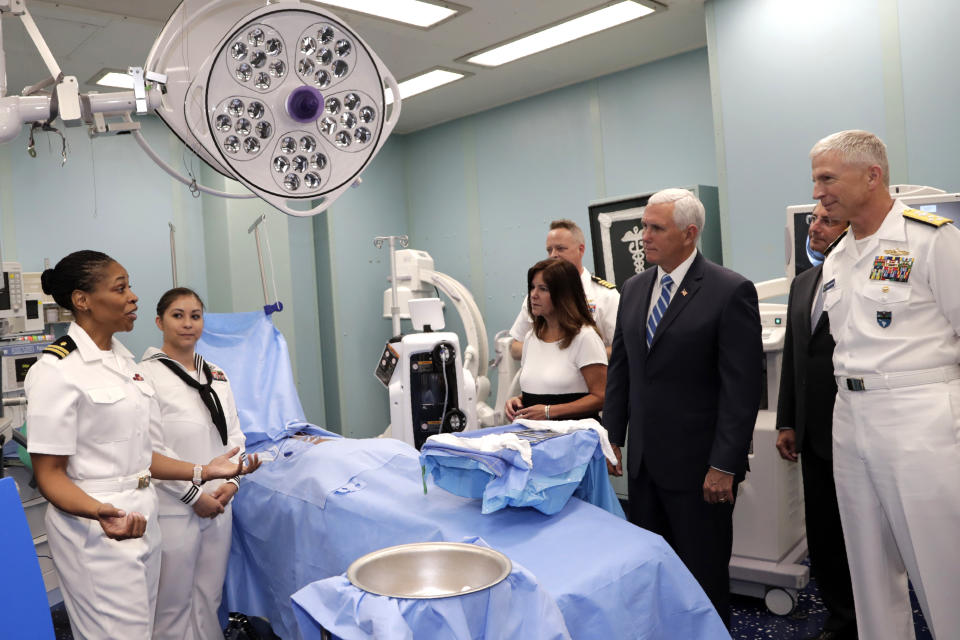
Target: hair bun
(47, 281)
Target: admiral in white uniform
(566, 240)
(889, 288)
(199, 421)
(91, 417)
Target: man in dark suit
(804, 421)
(685, 374)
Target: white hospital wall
(785, 74)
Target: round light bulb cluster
(349, 119)
(242, 126)
(325, 55)
(257, 58)
(298, 163)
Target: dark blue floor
(750, 619)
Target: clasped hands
(515, 410)
(120, 525)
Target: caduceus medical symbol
(635, 247)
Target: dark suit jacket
(807, 386)
(691, 400)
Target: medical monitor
(16, 358)
(799, 256)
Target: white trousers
(193, 565)
(896, 462)
(109, 586)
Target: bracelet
(546, 411)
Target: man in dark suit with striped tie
(685, 375)
(805, 424)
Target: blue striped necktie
(661, 308)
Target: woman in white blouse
(564, 363)
(198, 419)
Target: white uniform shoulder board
(603, 283)
(927, 218)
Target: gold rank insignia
(927, 218)
(896, 252)
(603, 283)
(61, 348)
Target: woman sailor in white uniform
(199, 420)
(91, 417)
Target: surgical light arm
(191, 59)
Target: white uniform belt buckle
(143, 481)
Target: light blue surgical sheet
(314, 509)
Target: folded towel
(566, 426)
(489, 443)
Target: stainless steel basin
(429, 570)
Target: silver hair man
(856, 147)
(687, 209)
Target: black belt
(530, 399)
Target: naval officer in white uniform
(198, 417)
(890, 290)
(566, 240)
(91, 417)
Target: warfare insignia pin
(896, 252)
(884, 318)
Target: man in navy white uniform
(890, 292)
(565, 240)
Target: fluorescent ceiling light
(415, 12)
(112, 78)
(425, 82)
(562, 33)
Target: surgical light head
(290, 101)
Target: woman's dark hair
(566, 295)
(167, 299)
(79, 270)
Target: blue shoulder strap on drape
(254, 354)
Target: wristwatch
(198, 475)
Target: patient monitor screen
(21, 366)
(5, 293)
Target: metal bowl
(429, 570)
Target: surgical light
(243, 83)
(567, 31)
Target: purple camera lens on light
(304, 104)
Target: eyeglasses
(830, 222)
